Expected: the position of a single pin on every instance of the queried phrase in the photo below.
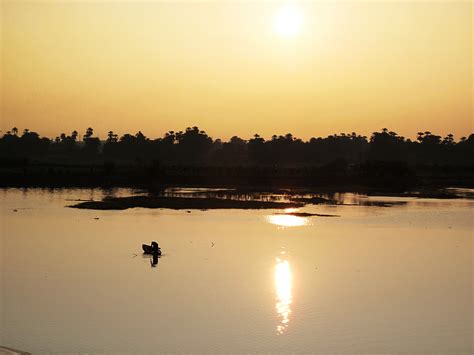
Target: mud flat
(306, 214)
(179, 203)
(9, 351)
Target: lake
(390, 275)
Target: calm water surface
(375, 280)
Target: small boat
(153, 249)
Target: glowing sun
(288, 20)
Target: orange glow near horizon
(237, 68)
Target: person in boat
(156, 248)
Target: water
(375, 280)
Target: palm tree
(111, 137)
(140, 136)
(449, 139)
(419, 138)
(89, 133)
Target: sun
(288, 20)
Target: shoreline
(238, 199)
(378, 175)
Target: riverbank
(386, 176)
(208, 199)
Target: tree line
(195, 147)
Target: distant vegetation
(194, 146)
(188, 155)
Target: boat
(153, 249)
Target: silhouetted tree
(91, 144)
(88, 134)
(194, 147)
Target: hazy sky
(158, 66)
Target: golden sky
(223, 66)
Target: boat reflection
(153, 259)
(283, 281)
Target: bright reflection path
(283, 293)
(287, 220)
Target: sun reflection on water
(287, 220)
(283, 278)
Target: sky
(237, 67)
